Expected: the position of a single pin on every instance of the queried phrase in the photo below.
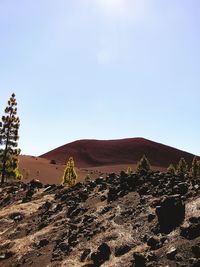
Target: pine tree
(143, 166)
(171, 169)
(182, 167)
(198, 170)
(70, 175)
(9, 152)
(194, 171)
(87, 178)
(129, 170)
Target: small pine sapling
(87, 178)
(70, 175)
(143, 166)
(194, 171)
(129, 171)
(171, 169)
(182, 167)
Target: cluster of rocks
(85, 222)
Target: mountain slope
(148, 220)
(91, 153)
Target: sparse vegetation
(70, 175)
(195, 169)
(87, 178)
(182, 167)
(129, 171)
(143, 166)
(171, 169)
(9, 136)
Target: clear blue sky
(102, 69)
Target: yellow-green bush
(70, 175)
(129, 171)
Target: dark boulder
(171, 253)
(151, 217)
(191, 232)
(113, 193)
(143, 259)
(64, 246)
(43, 243)
(28, 195)
(194, 262)
(6, 255)
(119, 251)
(154, 242)
(170, 213)
(47, 205)
(101, 255)
(36, 184)
(85, 254)
(16, 216)
(196, 250)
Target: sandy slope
(99, 158)
(40, 168)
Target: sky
(102, 69)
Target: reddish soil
(91, 153)
(40, 168)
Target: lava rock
(142, 259)
(171, 253)
(113, 193)
(103, 198)
(28, 195)
(103, 254)
(183, 188)
(196, 250)
(190, 232)
(154, 242)
(63, 246)
(170, 213)
(119, 251)
(151, 217)
(36, 184)
(6, 255)
(194, 262)
(43, 243)
(194, 219)
(47, 205)
(85, 254)
(16, 216)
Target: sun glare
(114, 6)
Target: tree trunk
(4, 158)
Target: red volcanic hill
(93, 153)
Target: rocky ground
(122, 221)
